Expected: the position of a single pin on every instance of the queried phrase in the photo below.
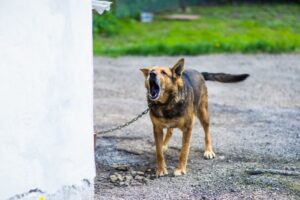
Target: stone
(138, 177)
(140, 173)
(222, 157)
(122, 183)
(152, 176)
(133, 173)
(146, 181)
(119, 176)
(113, 178)
(136, 183)
(122, 167)
(148, 170)
(128, 177)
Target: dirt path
(254, 124)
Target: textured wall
(46, 90)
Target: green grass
(246, 29)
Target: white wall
(46, 97)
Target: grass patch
(245, 29)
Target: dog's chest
(167, 112)
(169, 123)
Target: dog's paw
(161, 172)
(209, 155)
(179, 172)
(165, 148)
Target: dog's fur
(175, 97)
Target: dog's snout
(152, 74)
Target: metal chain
(126, 124)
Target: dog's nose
(152, 74)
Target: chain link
(125, 124)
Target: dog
(175, 97)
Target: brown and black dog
(175, 97)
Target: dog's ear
(145, 71)
(178, 68)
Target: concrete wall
(46, 90)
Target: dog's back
(195, 81)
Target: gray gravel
(254, 124)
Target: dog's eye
(164, 73)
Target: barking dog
(175, 97)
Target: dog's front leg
(186, 140)
(160, 160)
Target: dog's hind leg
(204, 119)
(167, 138)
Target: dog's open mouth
(154, 90)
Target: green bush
(245, 29)
(106, 24)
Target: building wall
(46, 77)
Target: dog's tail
(224, 78)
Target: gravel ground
(254, 124)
